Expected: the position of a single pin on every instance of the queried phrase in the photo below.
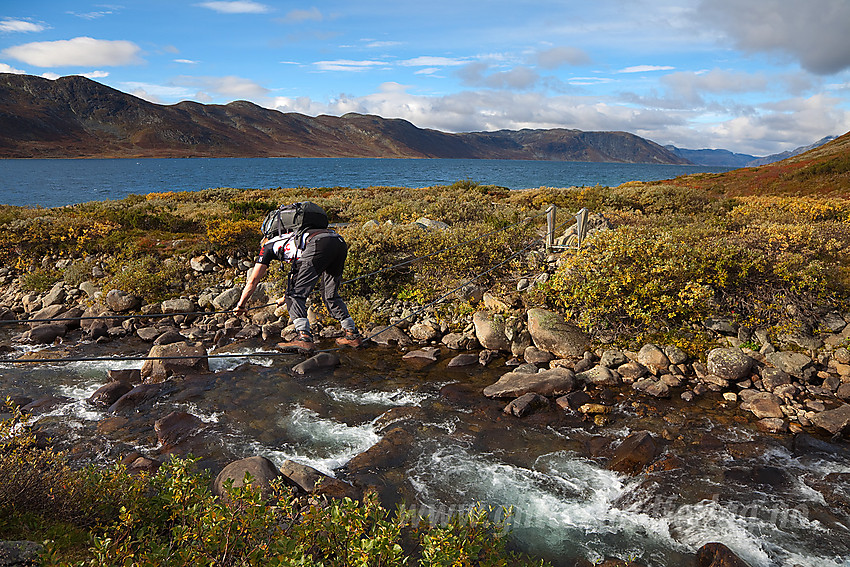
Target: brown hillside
(822, 171)
(77, 117)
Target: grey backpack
(297, 218)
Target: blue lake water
(57, 182)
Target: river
(773, 500)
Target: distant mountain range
(725, 158)
(74, 117)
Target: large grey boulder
(550, 331)
(729, 363)
(174, 358)
(181, 305)
(227, 300)
(634, 453)
(121, 301)
(794, 363)
(261, 470)
(490, 331)
(554, 382)
(176, 427)
(835, 420)
(55, 296)
(653, 359)
(318, 362)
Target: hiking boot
(351, 339)
(302, 343)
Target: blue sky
(751, 76)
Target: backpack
(297, 218)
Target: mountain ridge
(75, 117)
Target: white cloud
(156, 93)
(560, 56)
(186, 61)
(814, 33)
(476, 75)
(298, 16)
(80, 51)
(430, 61)
(91, 15)
(229, 87)
(645, 68)
(51, 76)
(12, 25)
(4, 68)
(96, 74)
(237, 7)
(348, 65)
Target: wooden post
(581, 226)
(550, 228)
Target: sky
(750, 76)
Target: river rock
(490, 331)
(261, 470)
(718, 555)
(304, 476)
(201, 264)
(176, 427)
(765, 404)
(632, 371)
(675, 355)
(613, 359)
(148, 334)
(634, 453)
(227, 300)
(390, 335)
(47, 314)
(135, 397)
(835, 420)
(466, 359)
(599, 375)
(109, 393)
(47, 333)
(554, 382)
(550, 331)
(729, 363)
(526, 404)
(388, 453)
(424, 331)
(772, 378)
(121, 301)
(794, 363)
(833, 322)
(317, 362)
(534, 355)
(186, 358)
(56, 295)
(169, 337)
(653, 359)
(180, 305)
(459, 341)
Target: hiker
(317, 255)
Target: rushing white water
(391, 398)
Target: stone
(658, 389)
(201, 264)
(495, 303)
(181, 305)
(261, 470)
(729, 363)
(490, 331)
(109, 393)
(550, 331)
(55, 296)
(653, 359)
(834, 421)
(841, 355)
(174, 358)
(459, 341)
(554, 382)
(176, 427)
(632, 371)
(843, 391)
(599, 375)
(521, 341)
(722, 326)
(573, 400)
(170, 336)
(534, 355)
(794, 363)
(428, 353)
(143, 464)
(136, 397)
(389, 336)
(634, 453)
(765, 404)
(47, 333)
(772, 378)
(676, 355)
(833, 322)
(718, 555)
(466, 359)
(148, 334)
(424, 331)
(227, 300)
(425, 222)
(20, 553)
(526, 404)
(307, 478)
(389, 453)
(320, 361)
(594, 409)
(121, 301)
(613, 359)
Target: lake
(58, 182)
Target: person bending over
(318, 257)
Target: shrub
(40, 280)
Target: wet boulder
(109, 393)
(598, 375)
(389, 336)
(47, 333)
(306, 477)
(554, 382)
(170, 336)
(764, 405)
(176, 427)
(653, 359)
(137, 396)
(836, 421)
(465, 359)
(490, 331)
(261, 470)
(550, 331)
(131, 375)
(427, 354)
(634, 453)
(388, 453)
(526, 405)
(718, 555)
(729, 363)
(318, 362)
(174, 358)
